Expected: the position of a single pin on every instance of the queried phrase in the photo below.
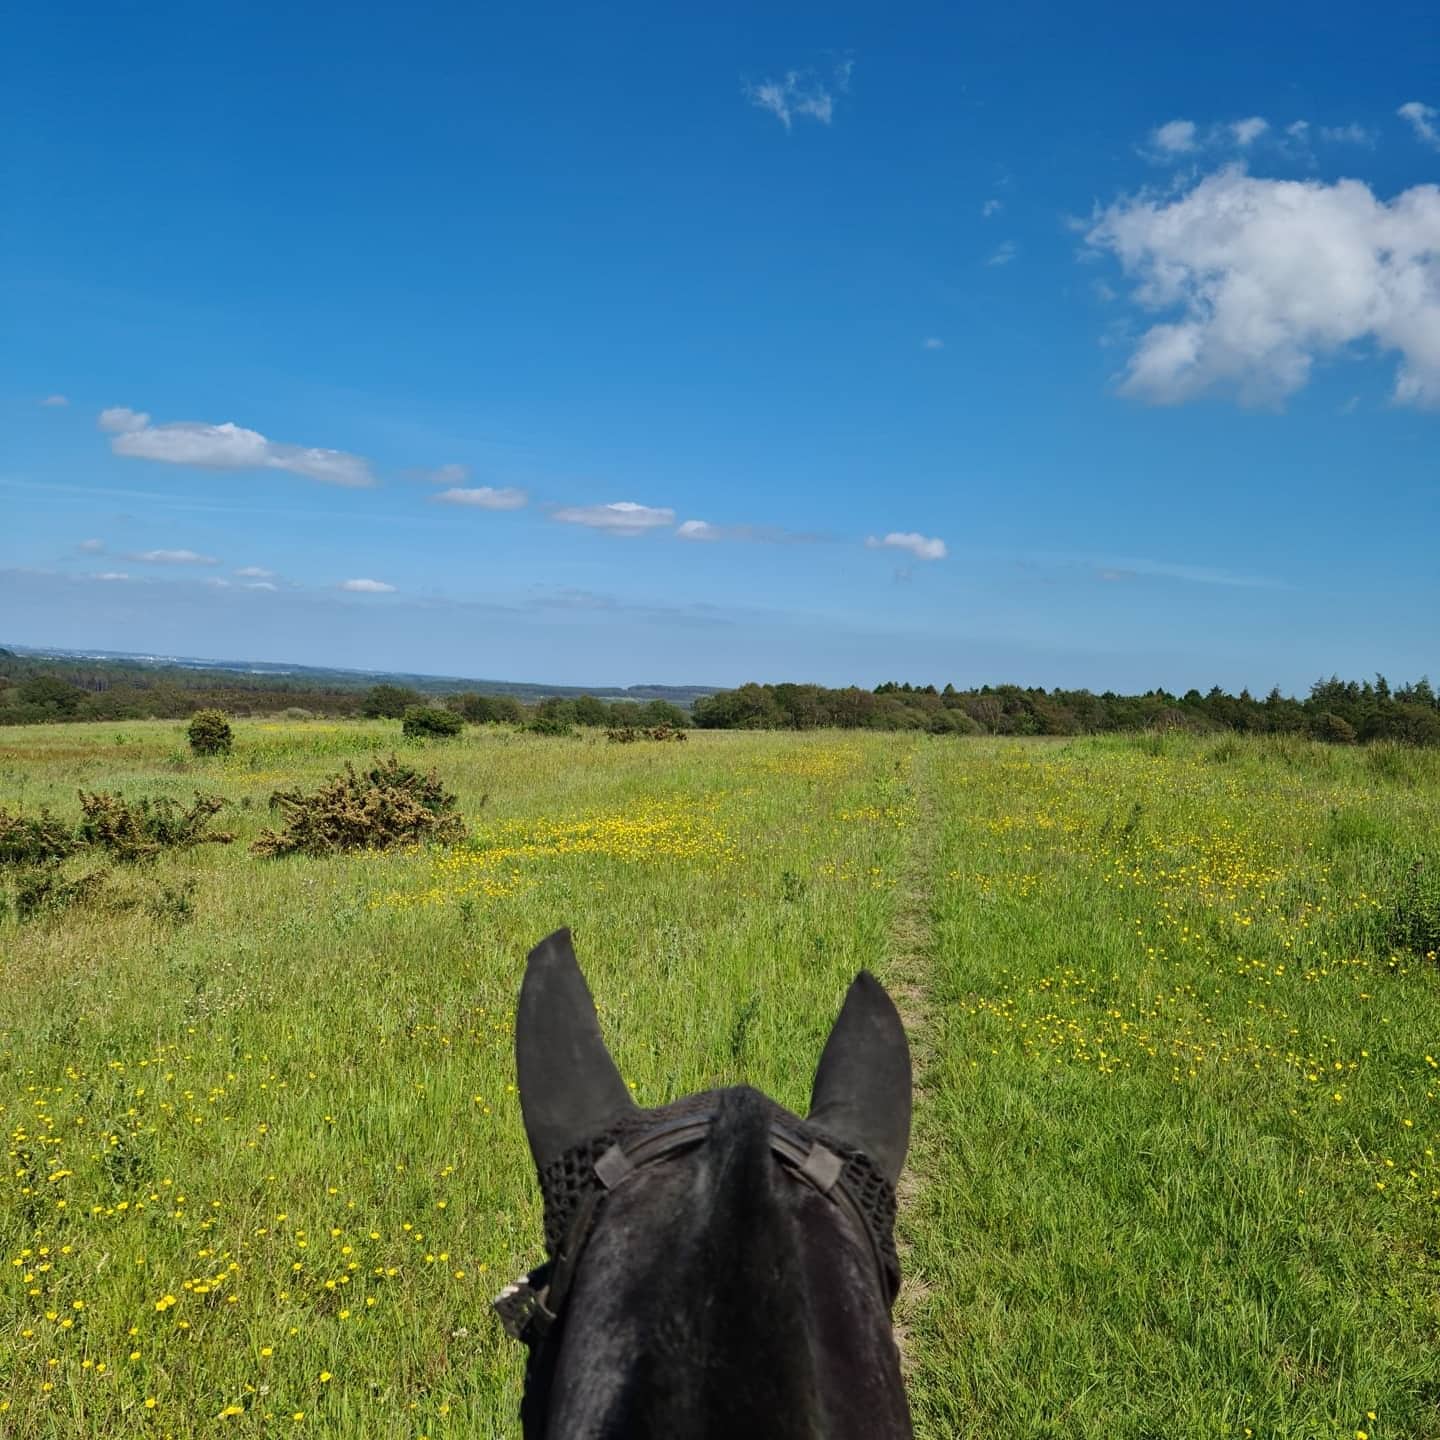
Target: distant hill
(320, 677)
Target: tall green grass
(1141, 1210)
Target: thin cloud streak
(622, 517)
(920, 546)
(484, 497)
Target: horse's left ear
(570, 1090)
(862, 1084)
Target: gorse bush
(386, 805)
(33, 839)
(426, 722)
(209, 733)
(140, 829)
(628, 735)
(45, 891)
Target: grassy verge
(1187, 1096)
(265, 1157)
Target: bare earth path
(907, 975)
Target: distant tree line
(35, 690)
(1336, 710)
(393, 701)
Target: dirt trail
(907, 976)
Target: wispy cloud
(253, 572)
(260, 585)
(91, 547)
(367, 587)
(991, 208)
(703, 530)
(55, 401)
(932, 342)
(112, 575)
(920, 546)
(1422, 119)
(1131, 569)
(1177, 140)
(1003, 253)
(173, 557)
(1351, 134)
(801, 94)
(623, 517)
(1247, 132)
(226, 447)
(1174, 137)
(452, 474)
(484, 497)
(1262, 277)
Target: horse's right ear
(863, 1081)
(570, 1090)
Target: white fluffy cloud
(801, 93)
(1247, 132)
(920, 546)
(367, 587)
(173, 557)
(226, 447)
(1422, 120)
(119, 419)
(484, 497)
(698, 530)
(1175, 137)
(1259, 278)
(624, 517)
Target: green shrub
(1415, 915)
(389, 702)
(629, 734)
(140, 829)
(386, 805)
(33, 839)
(209, 733)
(1332, 728)
(952, 722)
(430, 722)
(45, 891)
(550, 725)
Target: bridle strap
(529, 1307)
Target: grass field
(1175, 1166)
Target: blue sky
(628, 344)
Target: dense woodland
(39, 689)
(1335, 710)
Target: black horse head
(719, 1267)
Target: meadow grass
(265, 1159)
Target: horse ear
(862, 1084)
(570, 1090)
